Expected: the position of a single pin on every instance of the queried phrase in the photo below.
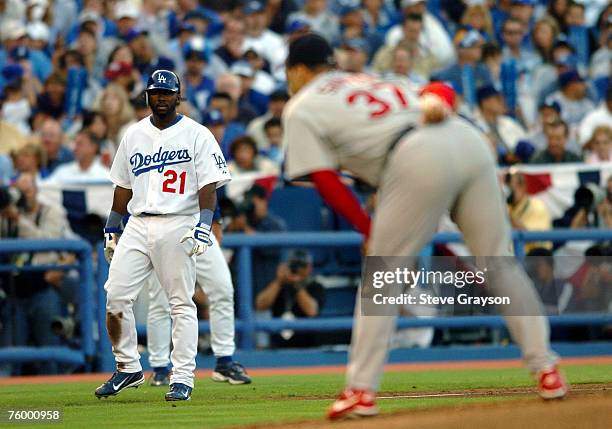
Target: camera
(64, 327)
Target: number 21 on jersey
(169, 186)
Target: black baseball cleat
(232, 372)
(160, 377)
(118, 382)
(178, 392)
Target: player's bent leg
(486, 231)
(159, 331)
(401, 197)
(214, 277)
(176, 272)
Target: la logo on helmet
(161, 78)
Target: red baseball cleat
(353, 403)
(551, 384)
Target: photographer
(35, 296)
(293, 293)
(253, 216)
(583, 213)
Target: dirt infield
(401, 367)
(592, 410)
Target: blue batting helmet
(164, 79)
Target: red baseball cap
(442, 90)
(117, 69)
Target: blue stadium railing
(86, 354)
(246, 323)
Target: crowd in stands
(534, 75)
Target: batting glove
(111, 238)
(200, 235)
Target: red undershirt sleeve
(341, 199)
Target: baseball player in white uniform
(358, 123)
(214, 277)
(166, 171)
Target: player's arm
(341, 199)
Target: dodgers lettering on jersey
(165, 169)
(346, 121)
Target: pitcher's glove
(200, 236)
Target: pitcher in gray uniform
(358, 123)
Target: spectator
(546, 76)
(502, 129)
(228, 108)
(556, 152)
(469, 44)
(176, 47)
(379, 15)
(94, 123)
(599, 147)
(39, 35)
(554, 293)
(197, 87)
(250, 99)
(124, 75)
(556, 10)
(321, 20)
(51, 100)
(278, 100)
(16, 107)
(114, 106)
(492, 58)
(52, 141)
(572, 97)
(13, 37)
(10, 136)
(600, 116)
(37, 301)
(293, 294)
(274, 134)
(582, 214)
(527, 213)
(264, 82)
(259, 37)
(231, 48)
(87, 166)
(213, 120)
(141, 111)
(146, 59)
(424, 61)
(355, 56)
(30, 159)
(231, 84)
(352, 26)
(433, 35)
(547, 113)
(251, 216)
(478, 17)
(513, 33)
(296, 28)
(599, 66)
(245, 159)
(545, 32)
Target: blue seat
(303, 210)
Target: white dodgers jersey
(165, 169)
(346, 121)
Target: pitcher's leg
(481, 216)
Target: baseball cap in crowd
(349, 8)
(568, 77)
(296, 25)
(13, 30)
(20, 53)
(310, 50)
(198, 13)
(38, 31)
(485, 92)
(117, 69)
(357, 44)
(468, 38)
(89, 16)
(551, 104)
(134, 33)
(190, 51)
(242, 68)
(126, 9)
(253, 6)
(406, 3)
(212, 117)
(12, 73)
